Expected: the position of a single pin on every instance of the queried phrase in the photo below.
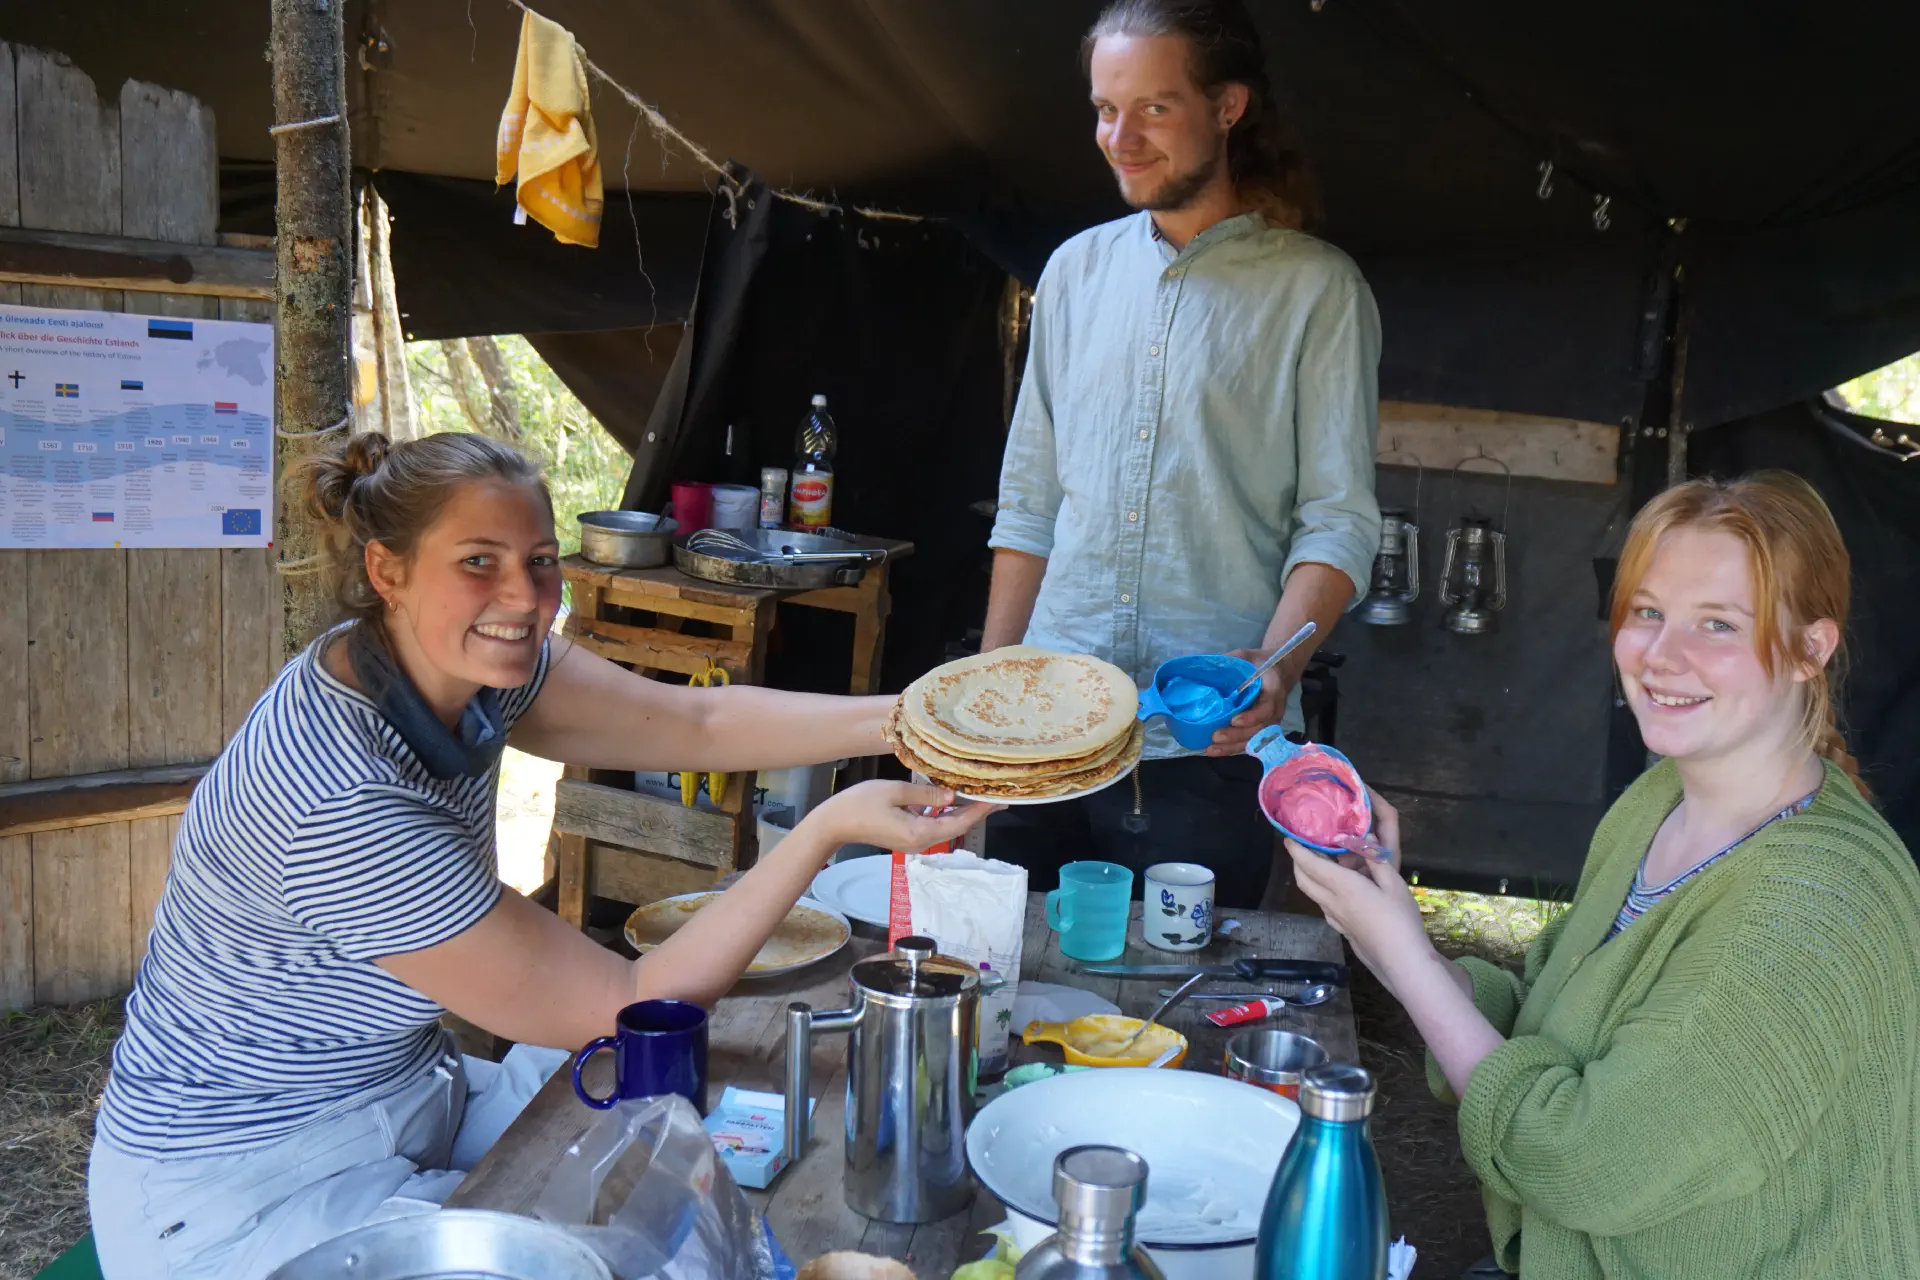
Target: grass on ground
(53, 1064)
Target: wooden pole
(313, 269)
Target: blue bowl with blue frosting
(1192, 693)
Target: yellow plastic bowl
(1090, 1041)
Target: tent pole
(313, 269)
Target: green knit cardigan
(1729, 1087)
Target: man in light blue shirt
(1190, 468)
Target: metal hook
(1602, 219)
(1545, 189)
(1480, 454)
(1894, 446)
(1419, 473)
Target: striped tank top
(316, 844)
(1641, 897)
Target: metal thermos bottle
(1326, 1216)
(1099, 1191)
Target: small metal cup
(1272, 1059)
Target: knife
(1252, 969)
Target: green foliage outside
(1892, 393)
(585, 468)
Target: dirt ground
(53, 1064)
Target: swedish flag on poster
(134, 431)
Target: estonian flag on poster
(180, 329)
(132, 384)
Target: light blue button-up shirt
(1192, 425)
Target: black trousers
(1196, 809)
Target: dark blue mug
(659, 1046)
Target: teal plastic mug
(1089, 910)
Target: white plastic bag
(644, 1188)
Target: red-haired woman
(1711, 1064)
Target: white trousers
(237, 1217)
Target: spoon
(1173, 998)
(1166, 1055)
(1299, 638)
(1317, 993)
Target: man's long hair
(1266, 167)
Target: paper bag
(975, 909)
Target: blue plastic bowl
(1216, 670)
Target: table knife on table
(1251, 969)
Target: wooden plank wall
(118, 659)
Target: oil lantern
(1473, 580)
(1396, 571)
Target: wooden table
(805, 1204)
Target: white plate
(757, 971)
(1019, 801)
(858, 888)
(1212, 1146)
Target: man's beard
(1178, 191)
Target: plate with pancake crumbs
(1020, 725)
(811, 932)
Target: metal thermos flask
(1326, 1216)
(1099, 1191)
(910, 1078)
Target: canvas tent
(1524, 187)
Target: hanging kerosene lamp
(1395, 584)
(1473, 581)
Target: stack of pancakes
(1019, 724)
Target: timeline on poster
(120, 430)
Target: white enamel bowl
(1211, 1145)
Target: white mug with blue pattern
(1177, 907)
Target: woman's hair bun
(331, 473)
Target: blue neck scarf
(471, 751)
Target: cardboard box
(748, 1130)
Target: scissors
(716, 782)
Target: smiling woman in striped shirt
(283, 1076)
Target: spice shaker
(1099, 1191)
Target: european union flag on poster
(178, 329)
(240, 522)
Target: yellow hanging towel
(546, 133)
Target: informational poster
(121, 430)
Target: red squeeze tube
(1251, 1011)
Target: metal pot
(627, 539)
(779, 558)
(450, 1244)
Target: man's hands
(1266, 709)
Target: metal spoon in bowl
(1299, 638)
(1173, 998)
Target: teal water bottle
(1326, 1217)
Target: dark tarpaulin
(616, 373)
(1875, 499)
(1782, 135)
(897, 326)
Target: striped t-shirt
(316, 844)
(1643, 897)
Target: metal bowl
(627, 539)
(450, 1244)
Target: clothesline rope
(664, 130)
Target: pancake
(994, 771)
(804, 936)
(1021, 705)
(1040, 788)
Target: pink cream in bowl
(1314, 794)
